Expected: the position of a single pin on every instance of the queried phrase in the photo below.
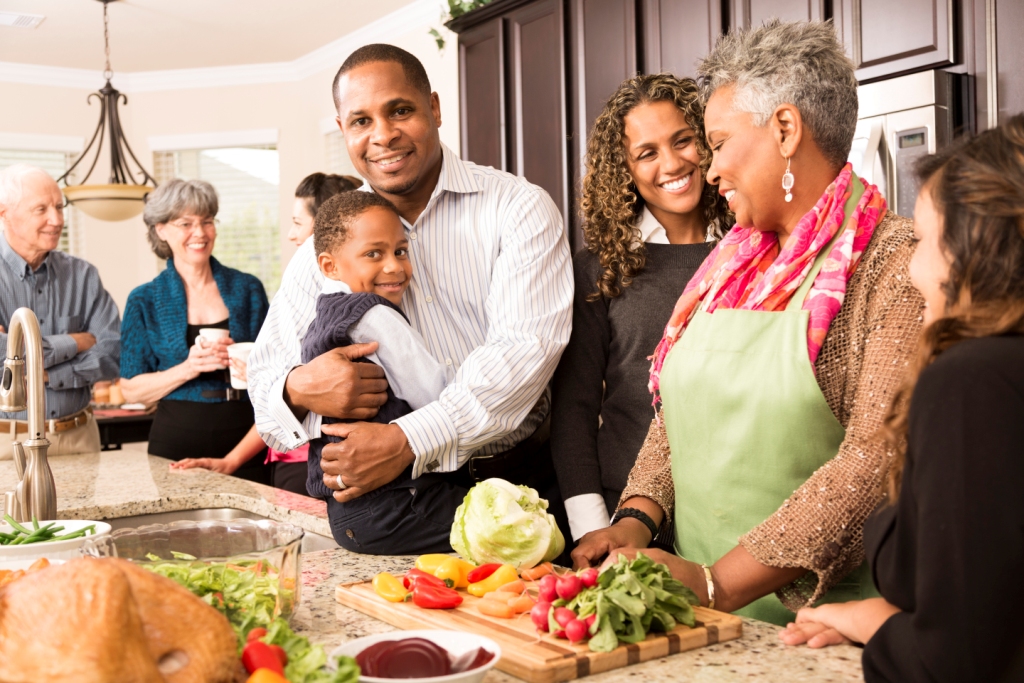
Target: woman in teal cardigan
(162, 357)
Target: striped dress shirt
(67, 296)
(491, 295)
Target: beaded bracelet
(637, 514)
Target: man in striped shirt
(491, 296)
(79, 322)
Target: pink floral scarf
(746, 271)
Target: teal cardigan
(156, 318)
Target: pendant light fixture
(122, 197)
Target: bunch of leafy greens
(306, 662)
(631, 599)
(501, 522)
(246, 592)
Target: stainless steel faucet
(36, 494)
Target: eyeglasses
(191, 225)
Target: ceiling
(154, 35)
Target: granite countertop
(126, 483)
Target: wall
(295, 109)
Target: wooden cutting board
(535, 659)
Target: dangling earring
(788, 182)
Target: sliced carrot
(524, 603)
(501, 596)
(516, 587)
(495, 608)
(41, 563)
(534, 573)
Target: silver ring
(341, 484)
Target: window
(246, 180)
(54, 163)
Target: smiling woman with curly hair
(648, 218)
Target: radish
(590, 620)
(576, 630)
(568, 587)
(539, 615)
(563, 616)
(588, 577)
(546, 588)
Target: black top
(335, 314)
(604, 370)
(950, 553)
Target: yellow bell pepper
(430, 563)
(506, 574)
(266, 676)
(389, 587)
(456, 570)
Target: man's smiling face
(390, 127)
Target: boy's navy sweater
(335, 314)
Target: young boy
(362, 251)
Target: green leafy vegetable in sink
(631, 599)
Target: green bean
(35, 522)
(10, 520)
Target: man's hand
(625, 533)
(84, 340)
(370, 456)
(334, 386)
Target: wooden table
(119, 427)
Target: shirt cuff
(292, 430)
(587, 512)
(60, 377)
(63, 346)
(433, 439)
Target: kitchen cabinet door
(603, 54)
(482, 94)
(536, 74)
(885, 38)
(1009, 57)
(747, 13)
(677, 34)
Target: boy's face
(374, 257)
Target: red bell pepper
(429, 596)
(415, 577)
(259, 655)
(482, 572)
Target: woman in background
(648, 218)
(163, 357)
(946, 553)
(314, 190)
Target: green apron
(748, 425)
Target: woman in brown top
(771, 457)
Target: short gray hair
(12, 182)
(800, 63)
(172, 200)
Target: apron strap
(857, 191)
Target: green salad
(247, 593)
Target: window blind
(54, 163)
(246, 180)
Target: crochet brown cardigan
(861, 364)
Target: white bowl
(11, 555)
(455, 642)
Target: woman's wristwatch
(637, 514)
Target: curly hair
(978, 190)
(611, 205)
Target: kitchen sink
(310, 542)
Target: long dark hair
(978, 190)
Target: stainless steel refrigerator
(903, 119)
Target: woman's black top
(190, 429)
(950, 553)
(602, 376)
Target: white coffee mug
(241, 351)
(208, 335)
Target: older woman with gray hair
(784, 351)
(176, 332)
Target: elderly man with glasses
(79, 321)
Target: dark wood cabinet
(482, 94)
(747, 13)
(1009, 56)
(886, 38)
(678, 33)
